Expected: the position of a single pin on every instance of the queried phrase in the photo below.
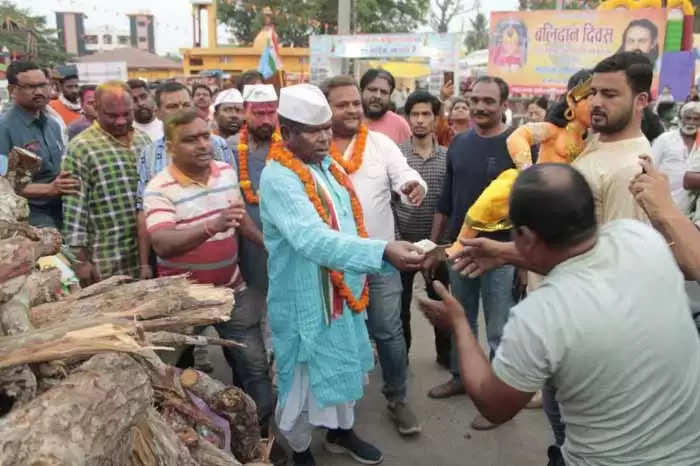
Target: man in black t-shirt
(474, 159)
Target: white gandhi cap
(229, 96)
(305, 104)
(259, 93)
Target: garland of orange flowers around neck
(355, 161)
(284, 157)
(243, 175)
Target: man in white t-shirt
(145, 117)
(610, 326)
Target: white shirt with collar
(671, 157)
(384, 169)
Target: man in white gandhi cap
(318, 255)
(228, 114)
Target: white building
(104, 38)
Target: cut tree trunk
(68, 340)
(207, 454)
(178, 339)
(18, 384)
(234, 405)
(155, 443)
(85, 420)
(160, 298)
(18, 255)
(12, 207)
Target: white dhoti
(301, 413)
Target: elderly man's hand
(652, 191)
(442, 314)
(478, 257)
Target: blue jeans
(249, 364)
(551, 409)
(495, 288)
(384, 326)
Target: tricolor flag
(270, 61)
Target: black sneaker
(304, 458)
(555, 456)
(341, 441)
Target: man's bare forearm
(438, 229)
(691, 181)
(478, 377)
(144, 239)
(510, 255)
(250, 231)
(171, 242)
(684, 239)
(37, 191)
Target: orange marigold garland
(284, 157)
(355, 161)
(243, 175)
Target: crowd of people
(313, 205)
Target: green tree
(173, 57)
(443, 12)
(478, 35)
(24, 33)
(552, 4)
(296, 20)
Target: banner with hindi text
(537, 51)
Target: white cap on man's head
(259, 93)
(229, 96)
(305, 104)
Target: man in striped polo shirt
(194, 213)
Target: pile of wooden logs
(80, 383)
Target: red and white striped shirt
(172, 199)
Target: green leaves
(296, 20)
(478, 36)
(49, 51)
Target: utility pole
(344, 12)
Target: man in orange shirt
(68, 103)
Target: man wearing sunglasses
(28, 125)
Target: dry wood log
(187, 409)
(18, 386)
(234, 405)
(44, 286)
(10, 229)
(18, 255)
(68, 340)
(207, 454)
(21, 166)
(178, 339)
(84, 420)
(12, 207)
(155, 443)
(189, 437)
(104, 286)
(163, 376)
(147, 299)
(13, 314)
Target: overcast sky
(174, 17)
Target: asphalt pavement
(447, 438)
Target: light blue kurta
(298, 242)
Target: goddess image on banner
(537, 51)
